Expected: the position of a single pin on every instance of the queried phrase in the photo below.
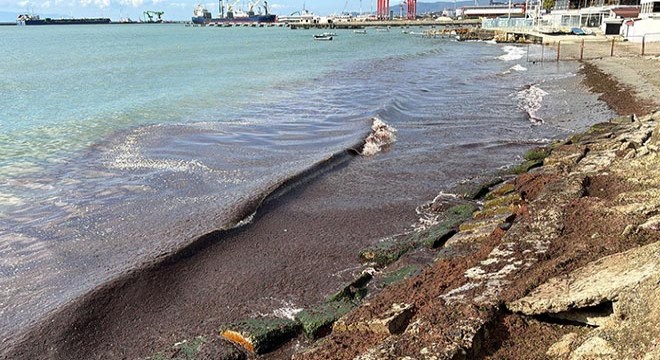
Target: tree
(548, 4)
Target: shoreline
(302, 190)
(483, 331)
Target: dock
(385, 24)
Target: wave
(381, 136)
(530, 100)
(66, 315)
(512, 53)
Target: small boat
(359, 31)
(329, 34)
(323, 37)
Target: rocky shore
(558, 258)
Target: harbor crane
(256, 3)
(149, 16)
(412, 9)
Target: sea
(121, 144)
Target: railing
(512, 23)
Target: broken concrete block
(393, 321)
(317, 321)
(598, 282)
(261, 335)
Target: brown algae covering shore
(560, 261)
(538, 265)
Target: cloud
(179, 5)
(102, 4)
(133, 3)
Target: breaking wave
(512, 53)
(381, 136)
(530, 100)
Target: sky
(174, 9)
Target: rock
(387, 251)
(537, 154)
(626, 146)
(356, 290)
(401, 274)
(594, 348)
(504, 200)
(438, 234)
(627, 119)
(598, 282)
(566, 155)
(562, 348)
(506, 210)
(630, 155)
(261, 335)
(504, 189)
(651, 224)
(526, 166)
(393, 321)
(475, 189)
(317, 321)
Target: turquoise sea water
(64, 89)
(121, 143)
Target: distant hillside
(427, 7)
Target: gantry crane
(149, 16)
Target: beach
(296, 239)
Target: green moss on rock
(505, 200)
(401, 274)
(438, 234)
(537, 154)
(526, 166)
(386, 252)
(317, 321)
(504, 189)
(354, 291)
(473, 190)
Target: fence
(594, 49)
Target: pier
(386, 23)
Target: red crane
(383, 11)
(412, 9)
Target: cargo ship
(27, 19)
(231, 14)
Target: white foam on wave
(428, 217)
(518, 67)
(530, 100)
(381, 135)
(492, 41)
(512, 53)
(128, 156)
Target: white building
(647, 26)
